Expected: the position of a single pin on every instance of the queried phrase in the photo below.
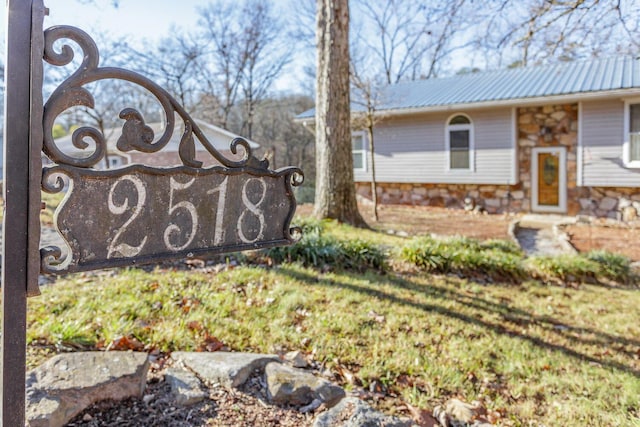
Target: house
(561, 138)
(167, 156)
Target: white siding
(412, 149)
(602, 138)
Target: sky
(148, 19)
(139, 21)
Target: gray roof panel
(565, 78)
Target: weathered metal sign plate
(140, 214)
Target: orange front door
(548, 179)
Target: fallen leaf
(422, 417)
(194, 325)
(124, 343)
(210, 344)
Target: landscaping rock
(456, 413)
(66, 384)
(221, 367)
(629, 214)
(291, 386)
(185, 386)
(459, 411)
(607, 204)
(296, 359)
(352, 412)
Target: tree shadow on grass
(514, 318)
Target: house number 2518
(249, 226)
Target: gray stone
(66, 384)
(185, 386)
(315, 404)
(586, 204)
(607, 203)
(225, 368)
(291, 386)
(518, 194)
(459, 410)
(296, 359)
(352, 412)
(492, 203)
(458, 413)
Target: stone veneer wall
(540, 126)
(562, 121)
(561, 125)
(492, 198)
(617, 203)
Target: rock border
(67, 384)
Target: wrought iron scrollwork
(136, 135)
(229, 204)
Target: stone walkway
(540, 234)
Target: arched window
(459, 136)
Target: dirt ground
(414, 220)
(620, 239)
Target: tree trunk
(335, 190)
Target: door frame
(562, 179)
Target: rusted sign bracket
(22, 169)
(127, 216)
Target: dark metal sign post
(108, 218)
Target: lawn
(530, 352)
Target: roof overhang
(515, 102)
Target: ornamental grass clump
(493, 260)
(612, 266)
(361, 255)
(328, 252)
(565, 268)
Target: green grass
(537, 354)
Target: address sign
(139, 214)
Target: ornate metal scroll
(141, 214)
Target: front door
(549, 179)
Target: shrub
(492, 259)
(317, 250)
(427, 253)
(506, 246)
(572, 268)
(361, 255)
(312, 250)
(309, 225)
(612, 266)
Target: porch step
(540, 235)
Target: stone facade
(538, 126)
(492, 198)
(549, 126)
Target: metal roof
(562, 79)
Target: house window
(358, 149)
(632, 131)
(459, 136)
